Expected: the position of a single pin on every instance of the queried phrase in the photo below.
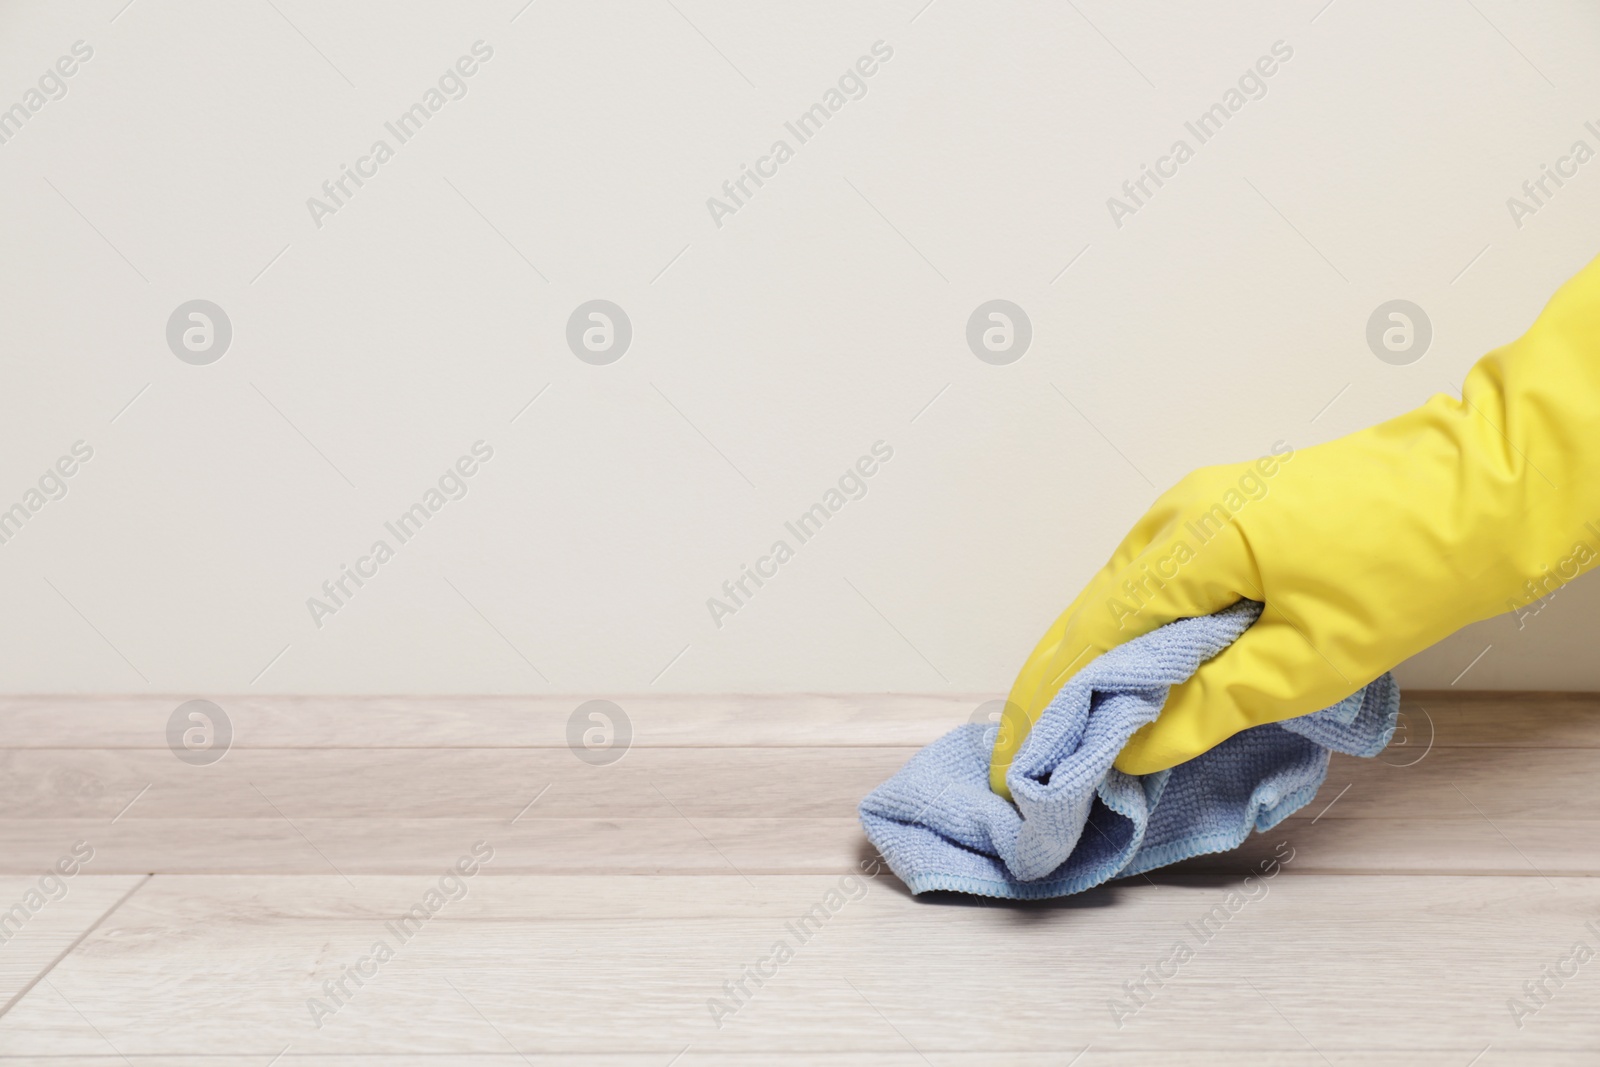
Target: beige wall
(771, 347)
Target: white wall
(768, 353)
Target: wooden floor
(1440, 907)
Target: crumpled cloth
(1077, 820)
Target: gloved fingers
(1173, 577)
(1030, 691)
(1155, 576)
(1025, 703)
(1271, 673)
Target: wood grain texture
(40, 920)
(790, 783)
(688, 810)
(628, 965)
(658, 720)
(1426, 887)
(694, 1057)
(1498, 719)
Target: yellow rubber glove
(1365, 550)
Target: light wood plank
(699, 811)
(461, 783)
(1495, 719)
(699, 783)
(39, 920)
(1509, 719)
(658, 720)
(1095, 1057)
(618, 902)
(619, 965)
(396, 846)
(1509, 846)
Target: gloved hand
(1365, 550)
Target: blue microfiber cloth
(1078, 821)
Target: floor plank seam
(91, 928)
